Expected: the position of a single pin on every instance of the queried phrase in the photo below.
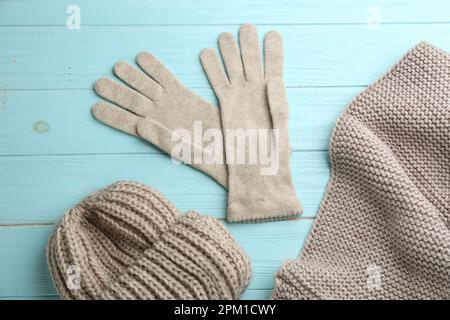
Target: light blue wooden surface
(52, 153)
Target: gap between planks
(124, 25)
(47, 224)
(122, 153)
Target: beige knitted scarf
(383, 227)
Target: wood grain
(316, 55)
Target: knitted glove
(254, 100)
(154, 105)
(157, 107)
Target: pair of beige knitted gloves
(154, 105)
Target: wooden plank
(316, 55)
(70, 128)
(39, 189)
(24, 273)
(23, 269)
(144, 12)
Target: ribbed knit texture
(129, 242)
(383, 227)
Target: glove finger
(124, 97)
(214, 71)
(155, 69)
(156, 133)
(116, 117)
(231, 57)
(278, 103)
(138, 80)
(251, 52)
(171, 141)
(273, 47)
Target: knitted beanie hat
(128, 242)
(383, 229)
